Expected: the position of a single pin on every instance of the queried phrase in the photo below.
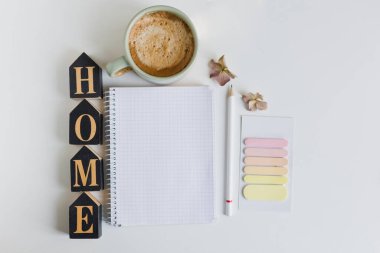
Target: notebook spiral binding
(110, 157)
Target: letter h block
(85, 78)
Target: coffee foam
(161, 44)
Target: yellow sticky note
(254, 179)
(265, 192)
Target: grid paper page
(164, 154)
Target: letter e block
(86, 169)
(85, 217)
(86, 125)
(85, 78)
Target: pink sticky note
(266, 152)
(265, 142)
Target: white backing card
(266, 127)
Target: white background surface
(317, 61)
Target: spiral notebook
(160, 155)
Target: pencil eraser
(265, 170)
(266, 152)
(265, 192)
(265, 142)
(255, 179)
(265, 161)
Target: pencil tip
(230, 91)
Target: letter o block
(86, 125)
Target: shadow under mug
(125, 63)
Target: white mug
(125, 63)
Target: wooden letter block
(85, 78)
(85, 217)
(86, 125)
(86, 169)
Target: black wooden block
(85, 78)
(86, 125)
(86, 169)
(85, 217)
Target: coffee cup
(160, 46)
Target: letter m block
(86, 169)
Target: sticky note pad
(265, 192)
(266, 157)
(265, 170)
(265, 161)
(255, 179)
(266, 142)
(266, 152)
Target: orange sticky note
(265, 161)
(265, 170)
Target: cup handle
(118, 67)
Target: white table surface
(316, 61)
